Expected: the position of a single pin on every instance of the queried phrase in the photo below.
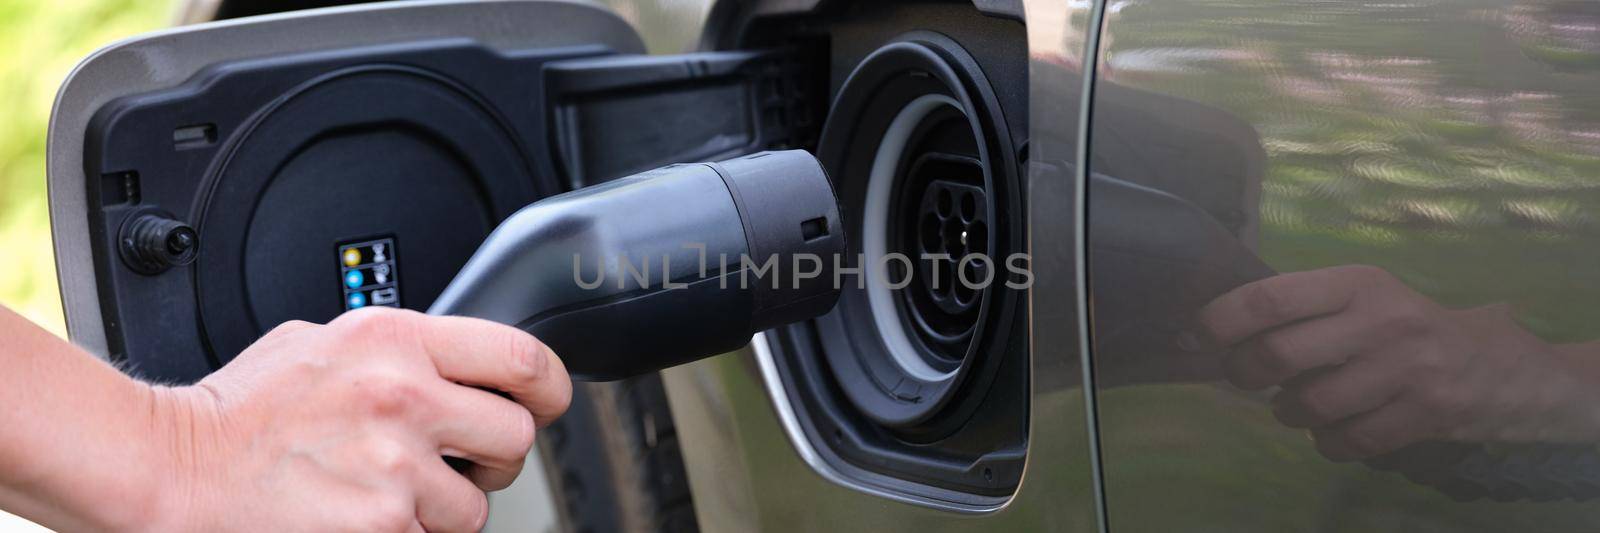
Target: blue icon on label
(354, 279)
(356, 300)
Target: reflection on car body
(1422, 176)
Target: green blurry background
(40, 42)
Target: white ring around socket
(875, 235)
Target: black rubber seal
(874, 95)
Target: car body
(1453, 144)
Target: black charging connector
(661, 268)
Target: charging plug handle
(661, 268)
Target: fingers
(1367, 363)
(1280, 354)
(1326, 397)
(1279, 300)
(493, 433)
(446, 501)
(1382, 431)
(493, 479)
(485, 354)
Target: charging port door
(212, 182)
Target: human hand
(1369, 366)
(346, 426)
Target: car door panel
(1447, 144)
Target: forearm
(77, 442)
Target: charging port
(920, 373)
(942, 221)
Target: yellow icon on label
(352, 257)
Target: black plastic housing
(277, 162)
(661, 268)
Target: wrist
(182, 426)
